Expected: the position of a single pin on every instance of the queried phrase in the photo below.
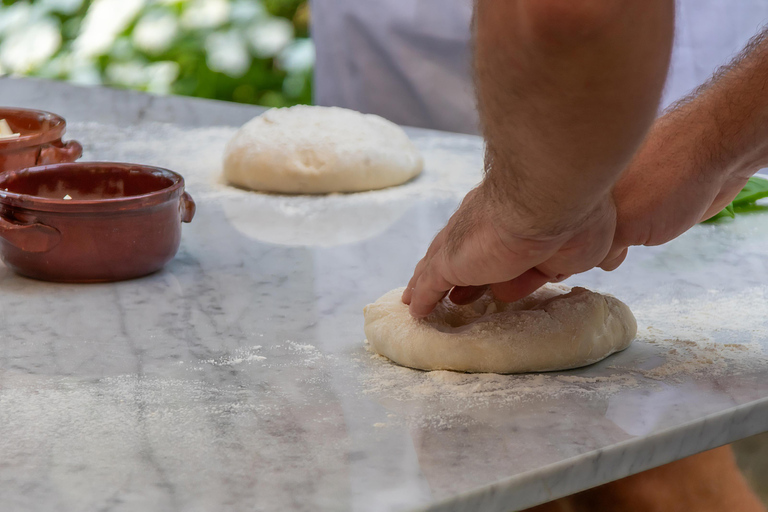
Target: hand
(488, 240)
(566, 93)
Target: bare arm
(566, 91)
(697, 156)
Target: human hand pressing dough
(490, 240)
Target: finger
(521, 286)
(463, 295)
(407, 295)
(408, 292)
(432, 250)
(613, 263)
(617, 249)
(429, 290)
(559, 278)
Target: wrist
(536, 208)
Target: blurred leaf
(756, 188)
(725, 213)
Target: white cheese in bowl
(6, 132)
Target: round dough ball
(317, 150)
(555, 328)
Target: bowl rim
(36, 138)
(117, 204)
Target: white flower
(227, 53)
(155, 32)
(122, 49)
(14, 16)
(244, 11)
(62, 6)
(102, 24)
(160, 76)
(56, 67)
(156, 77)
(205, 14)
(297, 57)
(126, 74)
(27, 48)
(83, 72)
(269, 36)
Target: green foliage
(755, 189)
(249, 51)
(726, 213)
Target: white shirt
(410, 61)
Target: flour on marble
(705, 335)
(685, 358)
(239, 356)
(301, 347)
(304, 353)
(202, 441)
(713, 312)
(690, 338)
(386, 379)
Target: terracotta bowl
(40, 141)
(122, 221)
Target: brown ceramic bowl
(40, 141)
(122, 221)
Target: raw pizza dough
(555, 328)
(316, 150)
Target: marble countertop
(238, 378)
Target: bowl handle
(56, 154)
(29, 237)
(187, 207)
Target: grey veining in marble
(237, 377)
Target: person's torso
(410, 60)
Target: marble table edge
(601, 466)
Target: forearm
(566, 92)
(723, 125)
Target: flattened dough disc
(556, 328)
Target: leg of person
(706, 482)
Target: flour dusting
(239, 356)
(713, 334)
(388, 380)
(677, 340)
